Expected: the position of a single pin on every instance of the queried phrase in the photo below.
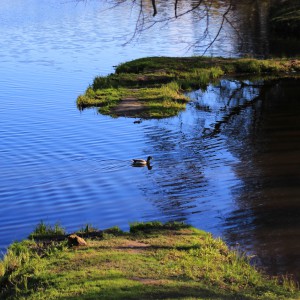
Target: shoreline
(153, 87)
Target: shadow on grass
(174, 290)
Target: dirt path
(128, 107)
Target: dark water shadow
(267, 220)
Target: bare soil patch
(133, 246)
(128, 107)
(150, 281)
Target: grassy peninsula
(154, 87)
(152, 261)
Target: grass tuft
(88, 228)
(156, 226)
(45, 230)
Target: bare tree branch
(175, 8)
(160, 14)
(154, 8)
(220, 28)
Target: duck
(137, 162)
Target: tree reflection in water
(230, 164)
(193, 167)
(267, 219)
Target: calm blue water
(59, 164)
(62, 165)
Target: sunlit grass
(190, 64)
(153, 261)
(160, 100)
(158, 83)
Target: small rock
(75, 240)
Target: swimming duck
(141, 162)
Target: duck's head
(149, 158)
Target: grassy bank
(158, 83)
(152, 261)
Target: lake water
(228, 164)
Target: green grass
(45, 230)
(162, 99)
(88, 228)
(172, 65)
(152, 261)
(158, 83)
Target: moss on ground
(153, 261)
(158, 83)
